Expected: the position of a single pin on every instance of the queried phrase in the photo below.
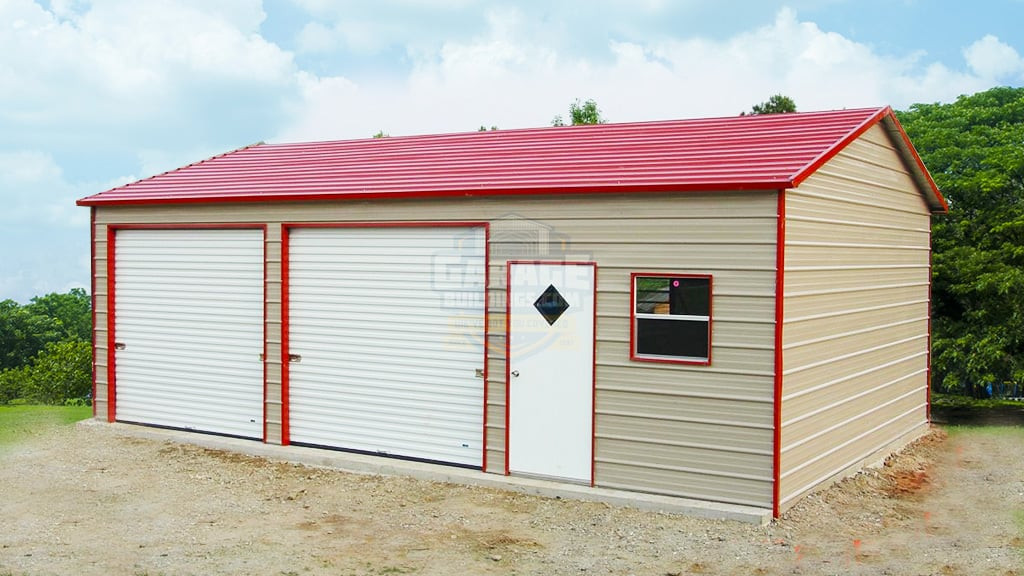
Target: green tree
(777, 104)
(71, 311)
(12, 382)
(62, 372)
(45, 348)
(581, 113)
(23, 333)
(974, 148)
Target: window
(671, 318)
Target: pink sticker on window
(675, 283)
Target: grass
(963, 429)
(20, 422)
(957, 401)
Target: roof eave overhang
(313, 196)
(926, 186)
(914, 164)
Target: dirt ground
(92, 500)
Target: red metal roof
(765, 152)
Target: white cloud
(316, 38)
(994, 60)
(34, 190)
(45, 236)
(161, 83)
(511, 77)
(122, 61)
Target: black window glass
(673, 295)
(682, 338)
(672, 316)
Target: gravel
(98, 500)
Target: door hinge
(479, 372)
(294, 358)
(119, 346)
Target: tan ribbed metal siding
(855, 333)
(100, 345)
(695, 431)
(273, 331)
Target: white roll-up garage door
(386, 330)
(188, 313)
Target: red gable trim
(830, 152)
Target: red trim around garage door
(112, 230)
(287, 227)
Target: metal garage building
(731, 309)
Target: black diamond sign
(551, 305)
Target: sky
(95, 94)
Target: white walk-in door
(386, 339)
(551, 369)
(188, 335)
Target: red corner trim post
(92, 298)
(111, 312)
(780, 272)
(285, 334)
(928, 367)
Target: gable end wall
(855, 328)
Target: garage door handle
(294, 358)
(119, 346)
(515, 373)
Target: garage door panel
(156, 298)
(218, 374)
(397, 444)
(361, 318)
(189, 313)
(358, 327)
(421, 354)
(194, 342)
(398, 416)
(324, 374)
(169, 395)
(355, 389)
(389, 325)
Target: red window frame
(638, 357)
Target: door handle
(515, 373)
